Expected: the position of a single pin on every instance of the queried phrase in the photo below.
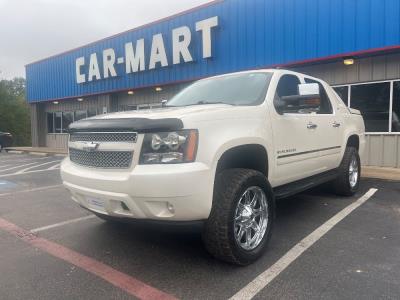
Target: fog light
(124, 206)
(170, 208)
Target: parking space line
(121, 280)
(36, 230)
(57, 166)
(19, 166)
(262, 280)
(35, 166)
(28, 172)
(32, 190)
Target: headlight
(169, 147)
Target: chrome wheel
(251, 218)
(353, 171)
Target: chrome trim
(104, 132)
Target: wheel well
(353, 141)
(251, 156)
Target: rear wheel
(347, 182)
(240, 221)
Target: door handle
(311, 125)
(336, 124)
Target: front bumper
(180, 192)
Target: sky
(34, 29)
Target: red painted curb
(121, 280)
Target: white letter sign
(205, 27)
(134, 60)
(181, 46)
(93, 67)
(158, 54)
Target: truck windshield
(235, 89)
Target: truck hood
(168, 112)
(166, 118)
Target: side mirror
(163, 102)
(307, 89)
(307, 101)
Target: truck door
(295, 134)
(329, 131)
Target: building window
(343, 92)
(50, 122)
(127, 107)
(396, 107)
(91, 112)
(80, 114)
(57, 122)
(373, 100)
(67, 118)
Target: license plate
(96, 203)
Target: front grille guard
(102, 159)
(124, 137)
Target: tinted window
(373, 102)
(57, 122)
(288, 86)
(396, 107)
(343, 92)
(50, 123)
(235, 89)
(325, 104)
(67, 118)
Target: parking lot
(323, 247)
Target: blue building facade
(354, 45)
(244, 34)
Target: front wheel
(348, 180)
(239, 226)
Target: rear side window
(325, 106)
(288, 86)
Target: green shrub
(14, 111)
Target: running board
(292, 188)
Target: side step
(292, 188)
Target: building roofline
(130, 30)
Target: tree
(14, 111)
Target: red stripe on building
(123, 281)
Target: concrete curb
(37, 153)
(381, 173)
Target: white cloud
(36, 29)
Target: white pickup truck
(220, 152)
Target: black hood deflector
(126, 124)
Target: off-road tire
(218, 233)
(341, 185)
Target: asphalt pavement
(50, 248)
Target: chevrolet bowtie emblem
(90, 146)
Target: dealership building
(353, 45)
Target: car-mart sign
(135, 59)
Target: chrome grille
(102, 159)
(128, 137)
